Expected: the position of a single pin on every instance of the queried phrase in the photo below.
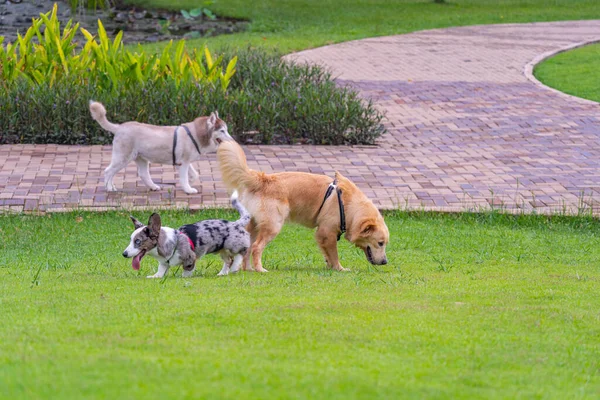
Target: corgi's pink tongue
(135, 263)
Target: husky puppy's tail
(99, 114)
(234, 168)
(244, 214)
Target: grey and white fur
(173, 246)
(147, 144)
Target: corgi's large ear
(136, 223)
(154, 225)
(212, 120)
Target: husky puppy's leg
(117, 163)
(226, 264)
(183, 177)
(162, 270)
(144, 173)
(193, 174)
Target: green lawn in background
(470, 306)
(293, 25)
(576, 72)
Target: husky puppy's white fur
(146, 143)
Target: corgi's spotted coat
(185, 245)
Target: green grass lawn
(574, 72)
(470, 306)
(299, 24)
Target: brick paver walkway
(467, 130)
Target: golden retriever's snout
(375, 257)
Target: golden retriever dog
(273, 199)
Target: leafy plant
(198, 12)
(164, 26)
(102, 62)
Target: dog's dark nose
(125, 254)
(384, 261)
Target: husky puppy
(176, 145)
(183, 246)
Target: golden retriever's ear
(154, 224)
(367, 228)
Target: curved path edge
(530, 66)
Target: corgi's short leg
(236, 264)
(162, 270)
(226, 264)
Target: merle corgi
(188, 243)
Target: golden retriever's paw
(261, 270)
(342, 269)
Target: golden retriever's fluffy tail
(99, 114)
(234, 168)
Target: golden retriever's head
(366, 228)
(372, 236)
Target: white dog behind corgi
(175, 145)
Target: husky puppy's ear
(212, 120)
(154, 225)
(136, 223)
(217, 114)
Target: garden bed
(51, 75)
(140, 25)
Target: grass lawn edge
(530, 69)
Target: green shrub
(289, 103)
(266, 101)
(45, 55)
(35, 114)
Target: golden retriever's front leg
(327, 240)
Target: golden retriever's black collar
(333, 186)
(175, 141)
